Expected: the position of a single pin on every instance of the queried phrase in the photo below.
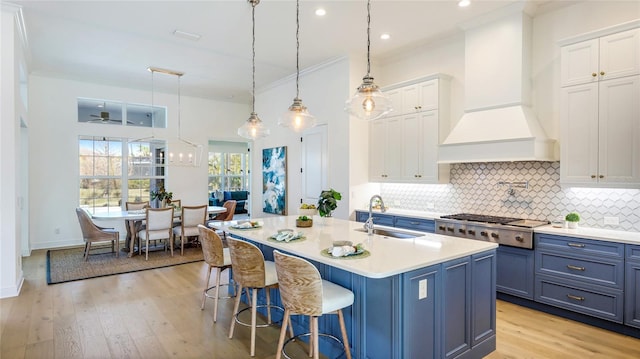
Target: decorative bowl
(307, 223)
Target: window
(228, 166)
(120, 113)
(113, 171)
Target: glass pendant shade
(369, 103)
(253, 128)
(297, 118)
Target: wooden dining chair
(93, 233)
(134, 226)
(159, 227)
(230, 205)
(192, 216)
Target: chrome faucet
(368, 225)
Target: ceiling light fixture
(181, 152)
(253, 128)
(321, 12)
(368, 102)
(464, 3)
(385, 36)
(297, 117)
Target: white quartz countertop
(389, 256)
(593, 233)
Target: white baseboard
(12, 291)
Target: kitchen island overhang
(428, 296)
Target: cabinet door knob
(594, 74)
(601, 73)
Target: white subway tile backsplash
(474, 188)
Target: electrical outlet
(611, 220)
(56, 231)
(422, 289)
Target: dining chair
(177, 205)
(304, 292)
(216, 257)
(134, 226)
(252, 272)
(230, 205)
(159, 227)
(93, 233)
(192, 216)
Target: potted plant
(328, 202)
(163, 196)
(304, 221)
(572, 220)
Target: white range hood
(498, 124)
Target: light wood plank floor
(156, 314)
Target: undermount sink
(389, 233)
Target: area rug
(66, 265)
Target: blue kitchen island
(430, 296)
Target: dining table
(130, 218)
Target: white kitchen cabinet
(413, 98)
(600, 117)
(603, 58)
(404, 147)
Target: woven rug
(66, 265)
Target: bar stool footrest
(284, 347)
(212, 296)
(268, 306)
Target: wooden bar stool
(216, 257)
(251, 271)
(304, 292)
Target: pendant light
(253, 128)
(297, 117)
(368, 103)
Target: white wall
(323, 90)
(11, 186)
(54, 149)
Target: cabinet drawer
(633, 253)
(579, 245)
(594, 270)
(591, 300)
(416, 224)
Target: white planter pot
(572, 225)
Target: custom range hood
(498, 124)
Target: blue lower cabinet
(416, 224)
(456, 278)
(515, 271)
(378, 218)
(483, 298)
(421, 337)
(632, 286)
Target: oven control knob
(450, 229)
(519, 239)
(461, 230)
(484, 234)
(471, 232)
(494, 235)
(442, 228)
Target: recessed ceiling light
(321, 12)
(464, 3)
(187, 35)
(385, 36)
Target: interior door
(314, 163)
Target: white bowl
(307, 212)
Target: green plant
(572, 217)
(162, 195)
(328, 202)
(303, 218)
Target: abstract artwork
(274, 180)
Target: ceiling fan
(104, 117)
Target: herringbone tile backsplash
(474, 188)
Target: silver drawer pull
(576, 245)
(575, 297)
(575, 267)
(414, 223)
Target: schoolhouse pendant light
(253, 128)
(297, 117)
(368, 103)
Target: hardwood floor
(156, 314)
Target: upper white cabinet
(600, 114)
(403, 146)
(607, 57)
